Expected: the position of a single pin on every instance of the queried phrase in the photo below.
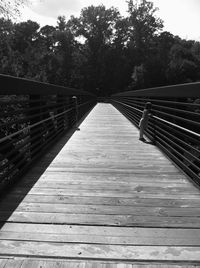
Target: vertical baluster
(60, 119)
(75, 110)
(35, 102)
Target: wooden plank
(100, 234)
(129, 189)
(101, 230)
(111, 176)
(48, 263)
(106, 220)
(110, 252)
(112, 170)
(115, 168)
(115, 178)
(103, 210)
(99, 239)
(12, 200)
(113, 185)
(95, 162)
(107, 193)
(65, 182)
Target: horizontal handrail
(174, 123)
(181, 90)
(21, 86)
(32, 116)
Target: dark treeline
(100, 51)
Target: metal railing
(32, 116)
(174, 124)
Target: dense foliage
(100, 51)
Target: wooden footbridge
(80, 190)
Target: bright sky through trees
(181, 17)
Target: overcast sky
(181, 17)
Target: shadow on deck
(103, 196)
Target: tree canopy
(100, 51)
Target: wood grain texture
(47, 263)
(102, 196)
(113, 201)
(96, 251)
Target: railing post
(75, 107)
(36, 133)
(60, 119)
(154, 130)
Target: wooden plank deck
(103, 199)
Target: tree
(10, 8)
(63, 51)
(120, 35)
(25, 50)
(96, 28)
(184, 65)
(25, 35)
(95, 24)
(157, 60)
(143, 23)
(143, 28)
(47, 37)
(6, 33)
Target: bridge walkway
(101, 198)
